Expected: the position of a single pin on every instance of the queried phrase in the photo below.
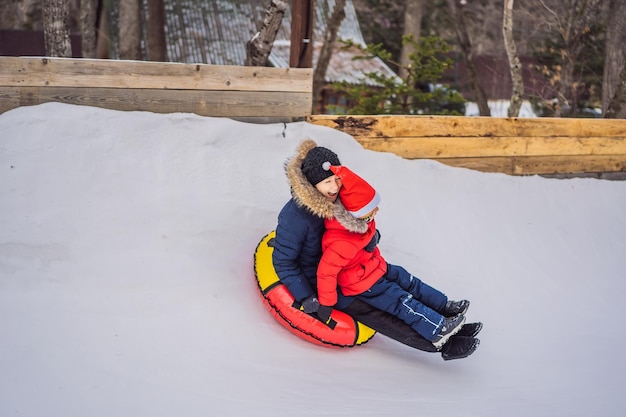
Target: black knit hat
(316, 164)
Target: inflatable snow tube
(340, 331)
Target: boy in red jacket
(352, 261)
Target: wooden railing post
(301, 52)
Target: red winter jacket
(345, 262)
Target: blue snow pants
(405, 296)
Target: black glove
(323, 312)
(310, 304)
(372, 244)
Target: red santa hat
(357, 196)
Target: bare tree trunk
(103, 40)
(155, 22)
(468, 54)
(615, 49)
(412, 26)
(258, 48)
(566, 90)
(156, 31)
(617, 107)
(130, 29)
(56, 17)
(570, 31)
(572, 28)
(88, 17)
(319, 75)
(514, 62)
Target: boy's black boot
(459, 347)
(450, 327)
(454, 308)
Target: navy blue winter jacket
(297, 251)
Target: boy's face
(329, 187)
(370, 216)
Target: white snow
(499, 108)
(127, 289)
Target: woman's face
(329, 187)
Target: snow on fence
(207, 90)
(515, 146)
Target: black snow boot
(454, 308)
(459, 347)
(470, 329)
(451, 326)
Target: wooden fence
(516, 146)
(509, 145)
(207, 90)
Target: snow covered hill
(126, 283)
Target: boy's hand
(310, 304)
(372, 244)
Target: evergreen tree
(417, 93)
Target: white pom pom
(326, 166)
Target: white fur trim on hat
(374, 202)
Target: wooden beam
(204, 103)
(543, 165)
(207, 90)
(301, 50)
(389, 126)
(469, 147)
(513, 146)
(58, 72)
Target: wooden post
(301, 52)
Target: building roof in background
(216, 31)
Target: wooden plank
(394, 126)
(502, 164)
(455, 147)
(510, 145)
(541, 164)
(65, 72)
(566, 164)
(204, 103)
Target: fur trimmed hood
(347, 220)
(306, 195)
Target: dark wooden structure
(301, 42)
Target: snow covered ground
(126, 282)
